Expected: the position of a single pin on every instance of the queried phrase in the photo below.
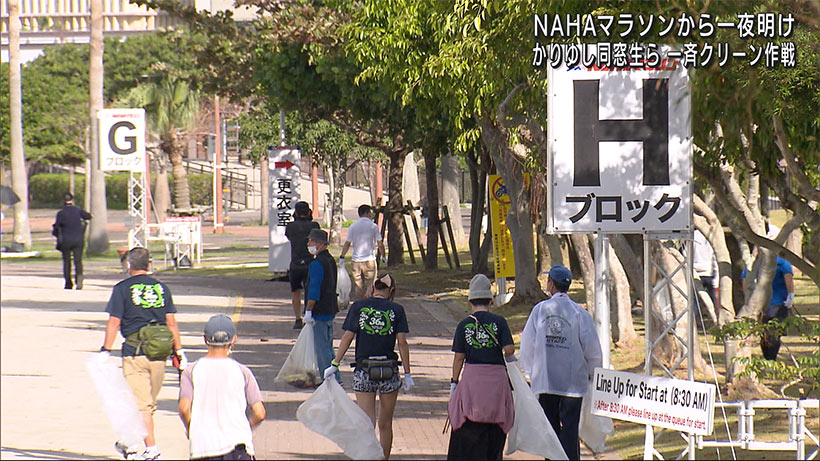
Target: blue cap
(560, 275)
(219, 331)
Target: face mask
(313, 250)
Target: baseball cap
(560, 275)
(68, 197)
(386, 279)
(480, 288)
(219, 331)
(318, 235)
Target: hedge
(47, 189)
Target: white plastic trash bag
(117, 399)
(531, 432)
(343, 285)
(594, 429)
(300, 368)
(331, 413)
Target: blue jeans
(323, 340)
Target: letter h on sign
(653, 130)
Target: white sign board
(122, 139)
(620, 148)
(685, 406)
(284, 189)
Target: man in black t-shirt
(135, 302)
(297, 232)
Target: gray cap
(219, 331)
(480, 288)
(318, 235)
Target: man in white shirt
(214, 393)
(559, 352)
(364, 235)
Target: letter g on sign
(130, 140)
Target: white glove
(511, 358)
(384, 259)
(330, 371)
(408, 382)
(309, 318)
(341, 260)
(789, 300)
(453, 388)
(183, 360)
(102, 356)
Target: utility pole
(218, 224)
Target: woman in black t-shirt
(481, 408)
(378, 324)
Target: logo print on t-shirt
(480, 338)
(376, 322)
(147, 296)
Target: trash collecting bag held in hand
(331, 413)
(593, 429)
(531, 432)
(300, 368)
(343, 285)
(117, 400)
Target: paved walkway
(50, 409)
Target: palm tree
(19, 180)
(98, 228)
(171, 106)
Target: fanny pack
(154, 340)
(380, 368)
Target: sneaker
(126, 451)
(298, 324)
(150, 453)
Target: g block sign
(620, 147)
(122, 139)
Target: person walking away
(705, 265)
(297, 233)
(364, 236)
(378, 324)
(139, 307)
(69, 228)
(481, 409)
(559, 353)
(321, 305)
(214, 394)
(780, 305)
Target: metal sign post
(285, 190)
(122, 148)
(602, 324)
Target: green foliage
(804, 369)
(47, 189)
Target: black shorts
(297, 276)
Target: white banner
(620, 148)
(122, 139)
(685, 406)
(284, 188)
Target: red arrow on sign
(286, 164)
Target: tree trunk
(712, 228)
(395, 232)
(478, 194)
(622, 302)
(337, 204)
(433, 224)
(410, 191)
(162, 193)
(632, 264)
(19, 178)
(450, 195)
(98, 227)
(519, 218)
(182, 195)
(580, 245)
